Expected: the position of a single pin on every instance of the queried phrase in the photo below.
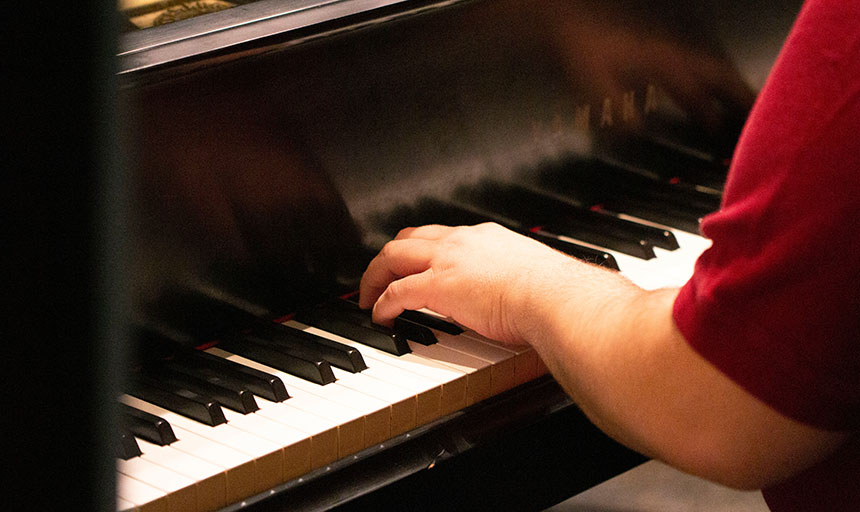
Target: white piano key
(453, 382)
(696, 243)
(125, 506)
(636, 269)
(144, 497)
(350, 423)
(295, 443)
(211, 479)
(376, 413)
(502, 361)
(680, 262)
(180, 491)
(452, 395)
(691, 247)
(322, 432)
(668, 268)
(402, 402)
(428, 392)
(648, 274)
(267, 457)
(526, 364)
(239, 469)
(479, 377)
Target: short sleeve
(775, 302)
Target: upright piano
(274, 146)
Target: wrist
(576, 302)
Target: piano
(272, 146)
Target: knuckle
(404, 233)
(387, 250)
(487, 228)
(394, 289)
(456, 237)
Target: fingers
(399, 258)
(428, 232)
(399, 277)
(409, 253)
(411, 292)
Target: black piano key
(658, 237)
(690, 195)
(146, 426)
(425, 319)
(679, 196)
(337, 354)
(596, 256)
(410, 330)
(236, 398)
(594, 182)
(441, 212)
(434, 211)
(669, 162)
(259, 382)
(373, 335)
(229, 392)
(127, 447)
(433, 322)
(301, 354)
(429, 210)
(414, 331)
(313, 370)
(635, 247)
(658, 213)
(610, 225)
(186, 402)
(533, 208)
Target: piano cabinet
(273, 147)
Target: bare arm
(613, 346)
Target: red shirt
(775, 302)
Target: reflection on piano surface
(143, 14)
(268, 168)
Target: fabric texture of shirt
(775, 302)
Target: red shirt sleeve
(775, 302)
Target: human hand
(485, 277)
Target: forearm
(596, 332)
(613, 346)
(615, 349)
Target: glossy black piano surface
(274, 146)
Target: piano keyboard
(240, 454)
(211, 427)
